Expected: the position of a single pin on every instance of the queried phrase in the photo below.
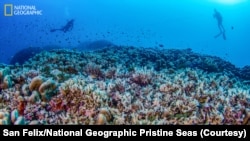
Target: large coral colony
(124, 86)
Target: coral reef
(25, 54)
(5, 78)
(48, 89)
(35, 83)
(124, 85)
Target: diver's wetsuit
(218, 17)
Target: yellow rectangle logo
(8, 9)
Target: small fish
(161, 45)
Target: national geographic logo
(21, 10)
(8, 10)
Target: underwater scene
(124, 62)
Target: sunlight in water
(231, 2)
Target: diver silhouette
(218, 17)
(66, 28)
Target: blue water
(142, 23)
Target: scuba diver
(66, 28)
(218, 17)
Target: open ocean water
(124, 62)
